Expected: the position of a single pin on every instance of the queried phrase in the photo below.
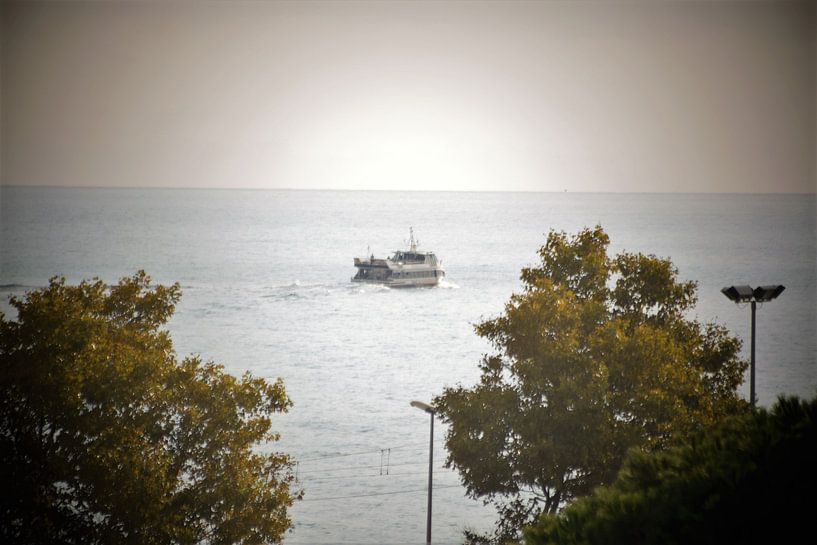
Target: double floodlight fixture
(745, 294)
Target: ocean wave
(16, 287)
(297, 289)
(447, 285)
(369, 288)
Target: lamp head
(767, 293)
(738, 294)
(423, 406)
(747, 294)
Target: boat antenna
(412, 243)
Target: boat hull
(402, 282)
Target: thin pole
(430, 469)
(752, 370)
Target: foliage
(595, 356)
(751, 480)
(106, 437)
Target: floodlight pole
(752, 369)
(430, 410)
(430, 471)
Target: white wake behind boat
(407, 268)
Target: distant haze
(518, 96)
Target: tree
(750, 480)
(595, 356)
(106, 437)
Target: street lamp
(430, 410)
(745, 294)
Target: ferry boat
(403, 269)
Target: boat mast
(412, 242)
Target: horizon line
(339, 190)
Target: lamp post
(745, 294)
(430, 410)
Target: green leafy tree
(595, 356)
(107, 437)
(750, 480)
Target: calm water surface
(265, 278)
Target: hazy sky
(543, 96)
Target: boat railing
(371, 262)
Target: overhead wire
(384, 466)
(390, 493)
(376, 466)
(319, 480)
(360, 453)
(320, 474)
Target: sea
(266, 288)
